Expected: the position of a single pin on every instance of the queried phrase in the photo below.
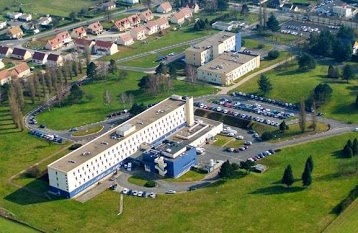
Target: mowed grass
(152, 60)
(346, 222)
(59, 8)
(256, 198)
(291, 85)
(190, 176)
(137, 180)
(8, 226)
(156, 42)
(221, 140)
(94, 110)
(88, 131)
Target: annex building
(228, 67)
(171, 120)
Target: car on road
(140, 194)
(355, 130)
(170, 192)
(229, 149)
(42, 126)
(134, 192)
(152, 195)
(248, 143)
(240, 137)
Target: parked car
(125, 191)
(171, 192)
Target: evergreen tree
(309, 162)
(350, 143)
(287, 178)
(283, 126)
(355, 147)
(306, 62)
(347, 73)
(264, 84)
(331, 71)
(306, 176)
(91, 71)
(226, 170)
(349, 152)
(161, 69)
(273, 24)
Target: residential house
(107, 6)
(138, 33)
(39, 58)
(60, 40)
(152, 27)
(2, 24)
(134, 20)
(44, 21)
(122, 25)
(18, 71)
(130, 2)
(28, 26)
(193, 7)
(355, 48)
(125, 39)
(78, 33)
(25, 17)
(146, 15)
(13, 15)
(162, 23)
(5, 51)
(105, 47)
(81, 44)
(164, 8)
(2, 65)
(21, 54)
(15, 32)
(95, 28)
(178, 18)
(54, 60)
(187, 12)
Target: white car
(140, 194)
(355, 130)
(171, 192)
(152, 195)
(125, 191)
(240, 137)
(134, 192)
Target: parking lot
(250, 107)
(303, 29)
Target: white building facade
(83, 168)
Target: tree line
(350, 149)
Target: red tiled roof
(95, 26)
(21, 67)
(126, 37)
(103, 44)
(166, 6)
(162, 21)
(82, 42)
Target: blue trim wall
(110, 170)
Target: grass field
(8, 226)
(171, 38)
(137, 180)
(291, 85)
(221, 140)
(150, 60)
(94, 110)
(346, 222)
(190, 176)
(60, 8)
(254, 44)
(283, 208)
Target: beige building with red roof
(164, 8)
(163, 23)
(146, 15)
(81, 44)
(187, 12)
(18, 71)
(60, 40)
(125, 39)
(95, 28)
(78, 33)
(105, 47)
(134, 20)
(177, 18)
(122, 25)
(152, 27)
(138, 33)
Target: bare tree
(124, 99)
(123, 74)
(15, 108)
(264, 15)
(190, 72)
(102, 70)
(19, 94)
(107, 98)
(314, 116)
(130, 99)
(87, 54)
(48, 81)
(302, 116)
(37, 84)
(43, 83)
(75, 68)
(80, 66)
(31, 88)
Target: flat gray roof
(97, 146)
(227, 62)
(215, 39)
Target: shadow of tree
(277, 189)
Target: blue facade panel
(238, 42)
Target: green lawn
(8, 226)
(221, 140)
(150, 60)
(254, 44)
(156, 42)
(235, 143)
(60, 8)
(93, 110)
(346, 222)
(283, 208)
(190, 176)
(137, 180)
(291, 85)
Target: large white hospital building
(83, 168)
